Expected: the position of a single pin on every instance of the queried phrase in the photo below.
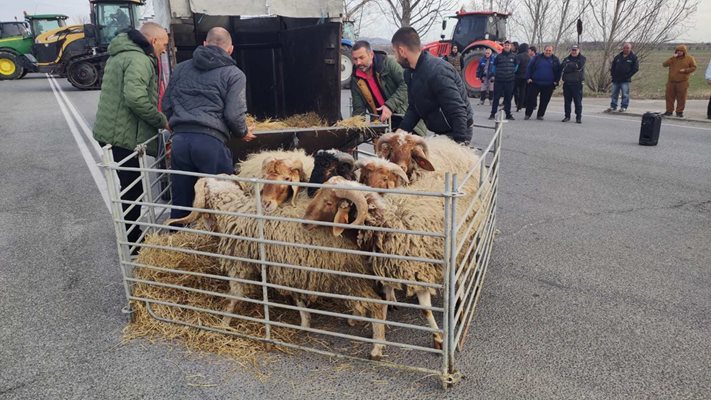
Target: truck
(474, 32)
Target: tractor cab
(478, 25)
(110, 17)
(42, 23)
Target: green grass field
(650, 81)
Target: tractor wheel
(471, 63)
(83, 75)
(346, 67)
(9, 67)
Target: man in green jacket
(128, 105)
(378, 86)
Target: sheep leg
(390, 295)
(425, 299)
(380, 312)
(305, 316)
(236, 289)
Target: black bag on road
(649, 132)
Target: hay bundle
(307, 120)
(144, 325)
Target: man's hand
(708, 81)
(250, 134)
(168, 128)
(385, 113)
(530, 81)
(682, 70)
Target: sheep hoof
(437, 343)
(351, 322)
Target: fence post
(262, 258)
(146, 182)
(114, 189)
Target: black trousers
(520, 93)
(125, 179)
(573, 92)
(545, 91)
(708, 110)
(506, 90)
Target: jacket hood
(131, 40)
(523, 48)
(211, 57)
(682, 48)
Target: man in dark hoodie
(128, 106)
(520, 86)
(505, 65)
(573, 73)
(623, 67)
(435, 91)
(206, 106)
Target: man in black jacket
(573, 72)
(505, 65)
(623, 67)
(206, 106)
(521, 83)
(435, 90)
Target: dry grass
(245, 351)
(307, 120)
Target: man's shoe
(539, 118)
(623, 109)
(680, 115)
(667, 114)
(566, 119)
(481, 103)
(510, 117)
(611, 110)
(578, 120)
(527, 117)
(492, 116)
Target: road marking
(638, 121)
(88, 134)
(83, 149)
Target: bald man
(206, 105)
(128, 114)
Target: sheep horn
(358, 199)
(400, 173)
(421, 142)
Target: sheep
(381, 174)
(420, 157)
(221, 195)
(278, 165)
(328, 163)
(398, 212)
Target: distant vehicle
(474, 33)
(348, 38)
(44, 43)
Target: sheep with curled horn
(380, 173)
(216, 194)
(417, 213)
(329, 163)
(426, 157)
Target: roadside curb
(671, 118)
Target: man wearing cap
(573, 73)
(504, 68)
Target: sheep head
(381, 174)
(274, 194)
(404, 149)
(330, 163)
(335, 205)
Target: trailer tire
(346, 67)
(10, 68)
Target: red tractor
(475, 32)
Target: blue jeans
(616, 88)
(195, 152)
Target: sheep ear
(419, 156)
(340, 218)
(295, 177)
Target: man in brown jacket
(681, 66)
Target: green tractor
(44, 43)
(17, 43)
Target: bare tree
(533, 19)
(567, 15)
(419, 14)
(646, 23)
(355, 10)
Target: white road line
(637, 121)
(86, 154)
(88, 134)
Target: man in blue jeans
(623, 67)
(206, 106)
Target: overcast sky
(699, 28)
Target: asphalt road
(599, 285)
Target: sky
(699, 29)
